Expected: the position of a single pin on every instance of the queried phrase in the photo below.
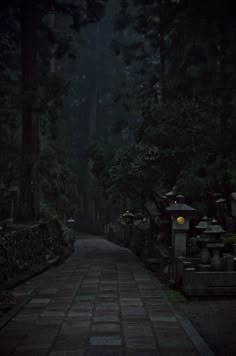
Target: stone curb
(9, 315)
(5, 319)
(197, 340)
(27, 277)
(195, 337)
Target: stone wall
(217, 283)
(28, 250)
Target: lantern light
(180, 220)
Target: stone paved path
(101, 301)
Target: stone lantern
(171, 195)
(221, 210)
(180, 213)
(128, 218)
(70, 222)
(202, 225)
(201, 241)
(214, 243)
(214, 230)
(194, 241)
(233, 204)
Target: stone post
(234, 250)
(233, 204)
(180, 213)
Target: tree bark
(29, 195)
(162, 50)
(223, 80)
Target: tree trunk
(29, 196)
(162, 50)
(223, 80)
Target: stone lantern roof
(220, 200)
(214, 229)
(180, 206)
(202, 225)
(128, 214)
(176, 207)
(170, 194)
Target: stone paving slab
(100, 302)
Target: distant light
(180, 220)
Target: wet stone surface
(100, 302)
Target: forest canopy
(36, 39)
(180, 58)
(160, 109)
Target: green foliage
(130, 171)
(204, 176)
(179, 90)
(48, 214)
(175, 296)
(221, 174)
(52, 94)
(59, 184)
(101, 156)
(134, 169)
(183, 81)
(181, 132)
(56, 38)
(68, 235)
(229, 241)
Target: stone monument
(180, 213)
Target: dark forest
(118, 124)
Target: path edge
(5, 319)
(197, 340)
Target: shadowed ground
(101, 301)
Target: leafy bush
(175, 296)
(229, 241)
(68, 235)
(206, 175)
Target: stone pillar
(234, 250)
(179, 238)
(180, 213)
(233, 205)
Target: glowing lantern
(180, 220)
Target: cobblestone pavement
(100, 301)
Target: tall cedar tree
(31, 15)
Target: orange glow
(180, 220)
